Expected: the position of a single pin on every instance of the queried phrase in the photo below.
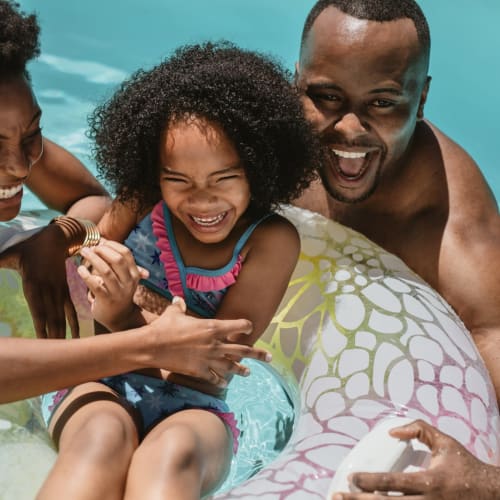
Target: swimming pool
(83, 60)
(89, 47)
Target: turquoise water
(89, 47)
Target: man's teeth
(208, 221)
(349, 154)
(6, 193)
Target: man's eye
(382, 103)
(323, 97)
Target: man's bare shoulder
(469, 194)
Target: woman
(59, 179)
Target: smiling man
(393, 176)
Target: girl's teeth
(6, 193)
(349, 154)
(208, 221)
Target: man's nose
(349, 126)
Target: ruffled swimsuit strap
(207, 280)
(169, 251)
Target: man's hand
(42, 267)
(453, 473)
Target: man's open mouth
(350, 165)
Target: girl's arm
(118, 221)
(270, 257)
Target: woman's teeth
(10, 192)
(349, 154)
(209, 221)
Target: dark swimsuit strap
(90, 397)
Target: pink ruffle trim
(209, 283)
(166, 254)
(193, 281)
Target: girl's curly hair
(247, 94)
(19, 41)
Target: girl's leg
(97, 441)
(186, 455)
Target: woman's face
(21, 144)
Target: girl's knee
(100, 436)
(176, 447)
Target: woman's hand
(199, 347)
(41, 264)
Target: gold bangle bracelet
(79, 232)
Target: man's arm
(470, 282)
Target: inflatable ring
(358, 337)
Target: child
(200, 150)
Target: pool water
(89, 47)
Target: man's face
(363, 86)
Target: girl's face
(21, 143)
(202, 179)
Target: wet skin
(415, 192)
(410, 189)
(20, 142)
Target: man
(394, 177)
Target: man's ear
(296, 74)
(423, 98)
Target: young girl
(200, 150)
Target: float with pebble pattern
(358, 337)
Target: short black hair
(19, 38)
(379, 11)
(249, 95)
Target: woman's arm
(183, 344)
(62, 183)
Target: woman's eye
(35, 135)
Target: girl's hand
(112, 276)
